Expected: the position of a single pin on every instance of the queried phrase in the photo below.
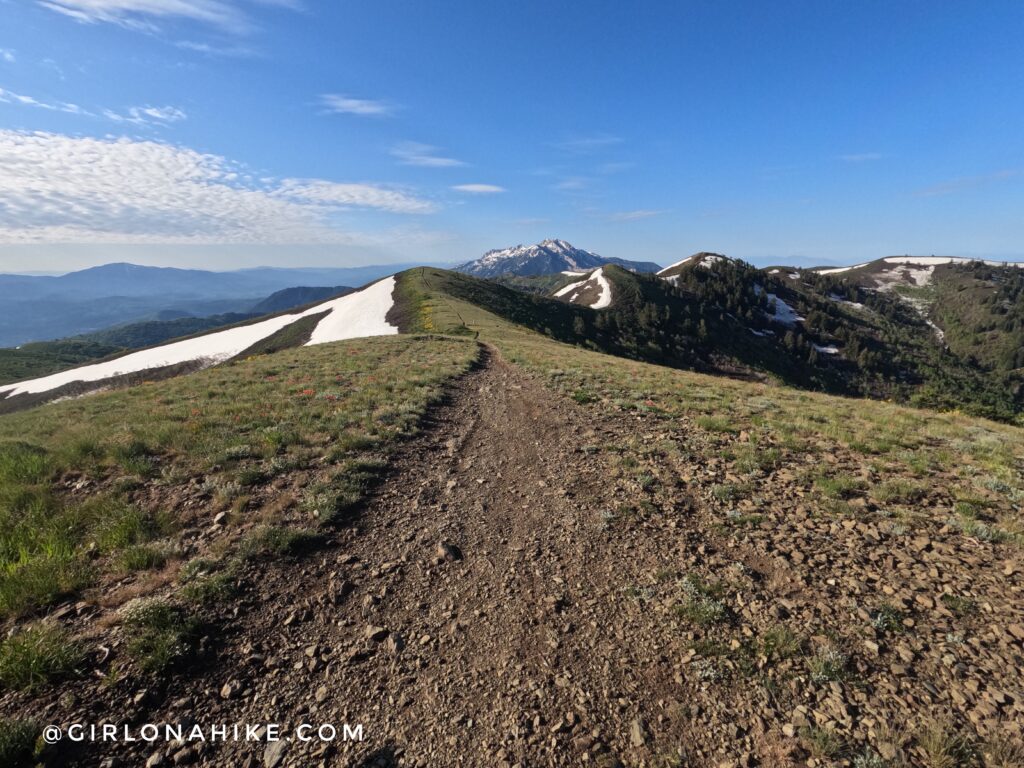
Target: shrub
(159, 635)
(36, 654)
(18, 743)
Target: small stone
(637, 733)
(157, 758)
(274, 753)
(375, 633)
(447, 552)
(230, 689)
(395, 643)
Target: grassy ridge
(73, 475)
(978, 462)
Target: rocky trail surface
(511, 597)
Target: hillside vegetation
(102, 486)
(721, 321)
(628, 561)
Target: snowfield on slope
(355, 315)
(603, 300)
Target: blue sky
(226, 133)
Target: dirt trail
(534, 588)
(523, 651)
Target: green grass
(838, 486)
(822, 742)
(779, 643)
(702, 603)
(827, 664)
(899, 491)
(959, 605)
(338, 407)
(159, 636)
(276, 541)
(36, 654)
(887, 618)
(18, 743)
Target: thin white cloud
(423, 155)
(146, 115)
(572, 184)
(228, 51)
(347, 105)
(967, 182)
(10, 97)
(861, 157)
(352, 195)
(56, 188)
(478, 189)
(143, 15)
(6, 54)
(644, 213)
(585, 145)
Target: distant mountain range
(935, 331)
(545, 258)
(43, 307)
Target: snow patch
(828, 350)
(354, 315)
(783, 313)
(604, 298)
(837, 270)
(677, 264)
(570, 288)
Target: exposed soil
(508, 598)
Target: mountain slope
(976, 306)
(40, 308)
(574, 557)
(742, 321)
(44, 357)
(546, 258)
(362, 313)
(296, 297)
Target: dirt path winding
(520, 648)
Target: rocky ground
(533, 586)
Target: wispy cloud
(861, 157)
(353, 195)
(227, 15)
(6, 54)
(423, 155)
(585, 145)
(146, 115)
(10, 97)
(347, 105)
(610, 168)
(643, 213)
(57, 188)
(208, 49)
(967, 182)
(478, 189)
(572, 184)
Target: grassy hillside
(46, 357)
(718, 321)
(980, 308)
(813, 540)
(104, 486)
(975, 463)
